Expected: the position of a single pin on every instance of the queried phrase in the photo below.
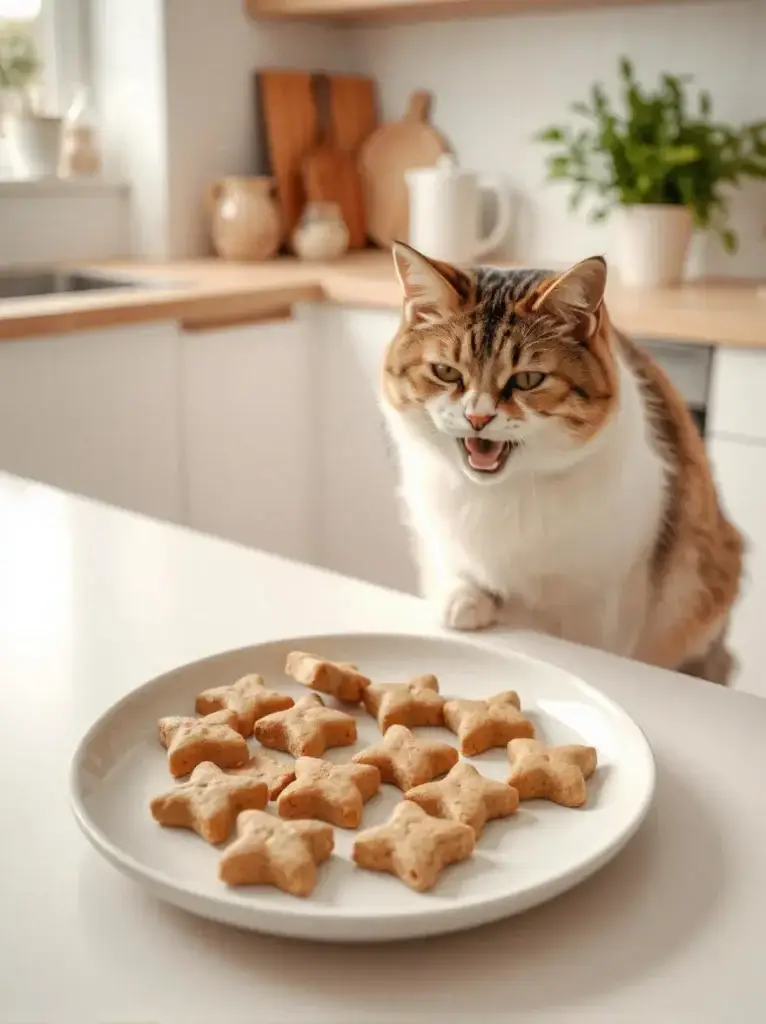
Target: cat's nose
(479, 422)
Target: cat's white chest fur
(567, 553)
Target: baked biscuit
(249, 698)
(557, 774)
(481, 724)
(413, 846)
(330, 792)
(407, 761)
(190, 741)
(467, 796)
(414, 703)
(209, 802)
(269, 851)
(339, 679)
(275, 774)
(307, 729)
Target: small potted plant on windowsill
(35, 138)
(665, 168)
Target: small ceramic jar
(246, 222)
(321, 233)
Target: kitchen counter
(205, 292)
(93, 601)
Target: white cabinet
(250, 402)
(737, 448)
(737, 406)
(96, 413)
(361, 527)
(740, 471)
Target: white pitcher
(445, 211)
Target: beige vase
(245, 220)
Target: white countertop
(94, 601)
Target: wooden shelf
(419, 10)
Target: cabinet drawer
(738, 394)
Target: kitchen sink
(16, 284)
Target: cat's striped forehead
(492, 304)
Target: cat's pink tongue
(483, 454)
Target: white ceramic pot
(652, 242)
(321, 233)
(36, 145)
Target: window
(58, 31)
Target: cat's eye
(445, 373)
(526, 380)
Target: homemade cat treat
(209, 802)
(413, 846)
(331, 792)
(407, 761)
(190, 741)
(481, 724)
(249, 698)
(269, 851)
(307, 729)
(415, 703)
(339, 679)
(557, 774)
(274, 773)
(466, 796)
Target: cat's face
(501, 370)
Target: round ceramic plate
(519, 861)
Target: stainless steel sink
(16, 284)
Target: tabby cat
(552, 476)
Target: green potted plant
(36, 139)
(661, 163)
(19, 65)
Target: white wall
(39, 225)
(213, 50)
(128, 67)
(174, 80)
(498, 81)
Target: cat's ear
(433, 291)
(576, 294)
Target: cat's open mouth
(485, 456)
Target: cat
(551, 475)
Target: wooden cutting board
(383, 160)
(290, 118)
(331, 174)
(353, 110)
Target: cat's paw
(468, 608)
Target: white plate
(519, 862)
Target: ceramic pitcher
(246, 223)
(445, 211)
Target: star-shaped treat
(557, 774)
(269, 851)
(307, 729)
(190, 741)
(415, 703)
(249, 698)
(413, 846)
(407, 761)
(466, 796)
(337, 678)
(481, 724)
(331, 792)
(209, 802)
(275, 774)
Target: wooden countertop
(214, 293)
